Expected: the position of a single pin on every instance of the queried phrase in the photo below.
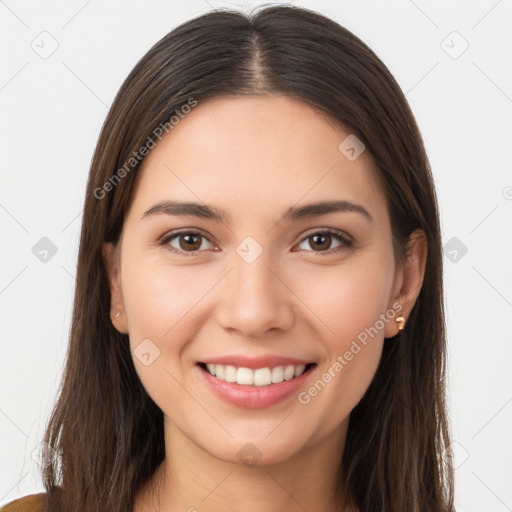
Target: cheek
(347, 299)
(162, 304)
(161, 300)
(340, 385)
(350, 309)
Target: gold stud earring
(400, 321)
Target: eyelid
(330, 231)
(178, 231)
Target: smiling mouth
(259, 377)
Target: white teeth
(219, 371)
(299, 370)
(244, 376)
(262, 377)
(277, 374)
(289, 372)
(230, 374)
(259, 377)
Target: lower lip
(254, 397)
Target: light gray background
(52, 111)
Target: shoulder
(29, 503)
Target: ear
(409, 280)
(111, 261)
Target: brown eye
(321, 242)
(186, 242)
(189, 242)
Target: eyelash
(346, 242)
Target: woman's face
(253, 281)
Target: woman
(258, 319)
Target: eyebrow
(205, 211)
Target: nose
(255, 299)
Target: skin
(255, 157)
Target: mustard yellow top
(29, 503)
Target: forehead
(257, 155)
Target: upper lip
(270, 361)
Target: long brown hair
(106, 431)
